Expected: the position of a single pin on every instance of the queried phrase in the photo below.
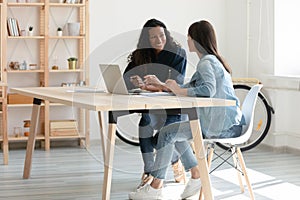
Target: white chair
(233, 143)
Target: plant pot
(74, 28)
(30, 33)
(72, 64)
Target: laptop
(113, 79)
(115, 83)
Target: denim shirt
(212, 80)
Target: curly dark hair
(145, 53)
(205, 40)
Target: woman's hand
(172, 85)
(152, 83)
(137, 81)
(175, 88)
(152, 80)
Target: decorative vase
(59, 33)
(74, 28)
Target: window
(287, 37)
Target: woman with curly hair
(157, 54)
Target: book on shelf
(13, 27)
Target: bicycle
(127, 126)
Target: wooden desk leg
(108, 161)
(31, 140)
(201, 158)
(102, 133)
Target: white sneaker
(191, 188)
(146, 192)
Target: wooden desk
(123, 104)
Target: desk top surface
(112, 102)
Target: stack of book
(13, 27)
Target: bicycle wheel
(127, 129)
(262, 118)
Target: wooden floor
(75, 173)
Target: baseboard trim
(281, 149)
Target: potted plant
(30, 31)
(59, 31)
(72, 62)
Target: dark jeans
(148, 140)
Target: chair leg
(243, 166)
(209, 159)
(234, 157)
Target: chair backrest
(248, 110)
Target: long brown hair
(205, 40)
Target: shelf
(25, 37)
(23, 138)
(41, 71)
(56, 104)
(25, 71)
(67, 4)
(66, 70)
(67, 37)
(41, 137)
(30, 105)
(14, 4)
(67, 137)
(19, 105)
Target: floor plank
(75, 173)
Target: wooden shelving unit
(3, 91)
(44, 49)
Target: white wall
(115, 27)
(245, 38)
(118, 23)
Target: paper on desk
(86, 90)
(156, 94)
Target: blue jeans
(150, 123)
(178, 134)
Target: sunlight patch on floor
(262, 184)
